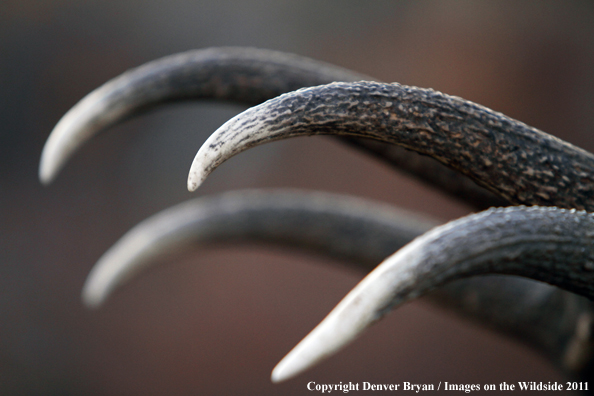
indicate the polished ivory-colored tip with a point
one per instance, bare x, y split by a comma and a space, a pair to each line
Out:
131, 254
204, 162
310, 351
92, 299
100, 282
215, 150
197, 175
306, 354
219, 147
248, 129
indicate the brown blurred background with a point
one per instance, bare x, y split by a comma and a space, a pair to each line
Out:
217, 319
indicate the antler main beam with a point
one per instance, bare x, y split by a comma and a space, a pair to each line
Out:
246, 75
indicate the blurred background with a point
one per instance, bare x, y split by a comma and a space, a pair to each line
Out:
217, 319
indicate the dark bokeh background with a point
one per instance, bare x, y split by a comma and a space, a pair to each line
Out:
217, 319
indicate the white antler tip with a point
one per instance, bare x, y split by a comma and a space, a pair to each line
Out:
92, 298
277, 376
198, 170
193, 184
98, 286
47, 167
45, 177
288, 368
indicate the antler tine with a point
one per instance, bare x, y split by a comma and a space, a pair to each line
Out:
547, 244
509, 158
245, 75
349, 228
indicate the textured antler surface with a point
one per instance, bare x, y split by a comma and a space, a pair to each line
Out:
513, 160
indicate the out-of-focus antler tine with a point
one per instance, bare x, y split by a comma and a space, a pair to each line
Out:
348, 228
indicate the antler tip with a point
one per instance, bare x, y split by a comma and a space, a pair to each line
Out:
290, 366
47, 167
91, 300
326, 339
94, 292
60, 144
200, 169
45, 177
278, 375
193, 183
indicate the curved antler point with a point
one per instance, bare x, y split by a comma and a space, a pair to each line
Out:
46, 177
195, 178
91, 300
92, 295
304, 356
48, 168
193, 183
